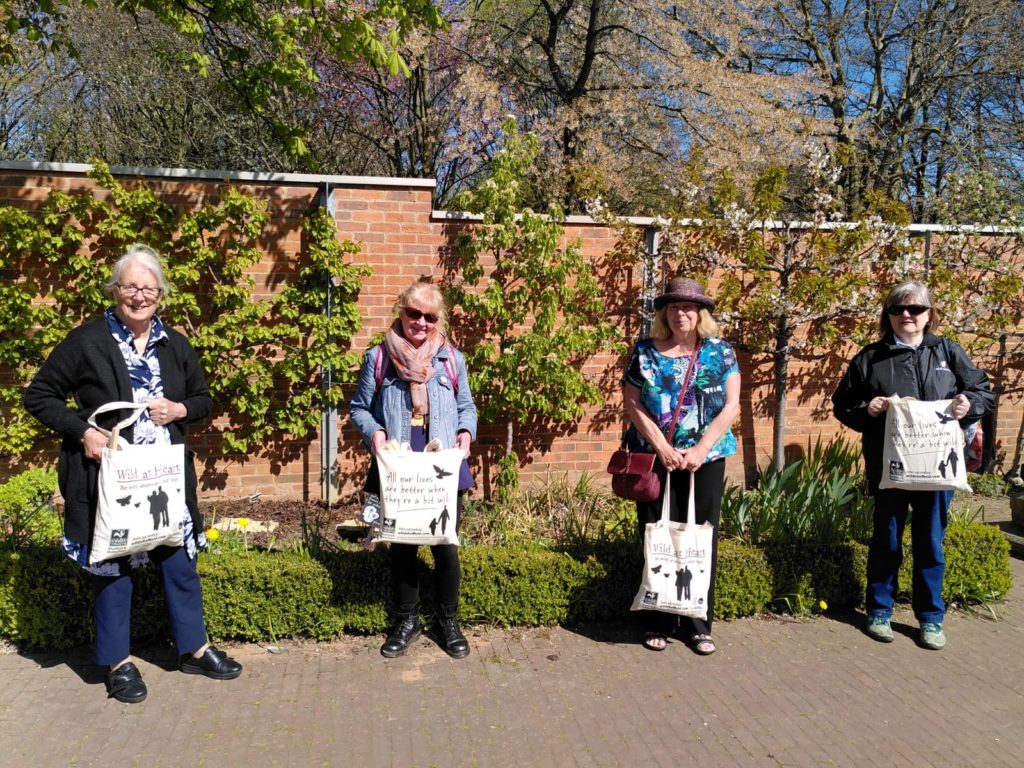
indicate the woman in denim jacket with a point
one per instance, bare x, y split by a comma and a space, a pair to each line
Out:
413, 389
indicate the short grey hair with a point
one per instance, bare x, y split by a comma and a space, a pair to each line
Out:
145, 257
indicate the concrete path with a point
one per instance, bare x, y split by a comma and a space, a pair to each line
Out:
778, 693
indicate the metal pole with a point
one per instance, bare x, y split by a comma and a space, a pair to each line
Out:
651, 279
329, 416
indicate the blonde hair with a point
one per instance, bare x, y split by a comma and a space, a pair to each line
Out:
428, 295
707, 326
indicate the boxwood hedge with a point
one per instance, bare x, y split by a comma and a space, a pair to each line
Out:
44, 599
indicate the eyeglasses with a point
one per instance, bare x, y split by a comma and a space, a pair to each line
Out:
415, 314
132, 291
915, 309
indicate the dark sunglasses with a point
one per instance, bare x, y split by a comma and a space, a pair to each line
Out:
915, 309
415, 314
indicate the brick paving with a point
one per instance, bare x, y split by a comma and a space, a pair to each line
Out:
778, 693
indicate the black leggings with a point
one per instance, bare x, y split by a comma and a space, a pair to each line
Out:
710, 480
405, 579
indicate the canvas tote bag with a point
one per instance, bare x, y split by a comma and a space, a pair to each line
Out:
677, 563
141, 502
924, 447
419, 494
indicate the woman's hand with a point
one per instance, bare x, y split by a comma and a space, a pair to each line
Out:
960, 406
379, 438
462, 442
93, 442
669, 457
163, 411
692, 458
878, 406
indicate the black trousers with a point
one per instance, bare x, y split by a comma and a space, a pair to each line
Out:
709, 485
405, 578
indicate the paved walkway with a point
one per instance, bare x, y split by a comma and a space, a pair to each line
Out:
778, 693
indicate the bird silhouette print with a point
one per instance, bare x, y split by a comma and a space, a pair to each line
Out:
441, 473
945, 418
123, 501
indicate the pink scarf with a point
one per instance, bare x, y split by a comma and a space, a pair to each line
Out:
413, 364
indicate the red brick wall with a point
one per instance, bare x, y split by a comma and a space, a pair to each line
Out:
401, 239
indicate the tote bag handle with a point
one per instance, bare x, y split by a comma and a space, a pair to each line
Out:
666, 504
138, 408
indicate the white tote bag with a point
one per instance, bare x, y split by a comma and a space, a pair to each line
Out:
419, 493
924, 447
141, 493
677, 563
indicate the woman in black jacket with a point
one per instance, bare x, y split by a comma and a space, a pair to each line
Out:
909, 361
128, 354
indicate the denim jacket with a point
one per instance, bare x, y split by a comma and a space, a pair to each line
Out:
390, 409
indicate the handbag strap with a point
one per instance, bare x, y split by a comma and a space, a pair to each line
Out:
690, 371
682, 392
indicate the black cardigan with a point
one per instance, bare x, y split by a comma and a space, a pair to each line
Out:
89, 365
938, 369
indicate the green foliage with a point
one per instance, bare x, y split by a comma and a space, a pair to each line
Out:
802, 287
44, 597
820, 498
27, 515
988, 485
267, 52
262, 357
537, 313
257, 596
977, 564
806, 573
554, 513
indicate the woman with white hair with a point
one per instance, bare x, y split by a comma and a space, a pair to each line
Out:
908, 360
128, 354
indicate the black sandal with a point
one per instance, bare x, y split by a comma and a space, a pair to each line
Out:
696, 641
655, 641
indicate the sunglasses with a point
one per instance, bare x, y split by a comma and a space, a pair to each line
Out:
915, 309
415, 314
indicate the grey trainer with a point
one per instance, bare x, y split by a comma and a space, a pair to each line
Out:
932, 636
879, 628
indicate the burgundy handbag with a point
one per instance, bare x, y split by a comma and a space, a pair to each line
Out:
634, 476
637, 476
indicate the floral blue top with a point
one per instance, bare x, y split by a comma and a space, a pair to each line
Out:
660, 379
144, 372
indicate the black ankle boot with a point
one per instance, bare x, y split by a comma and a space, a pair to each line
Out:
455, 643
402, 636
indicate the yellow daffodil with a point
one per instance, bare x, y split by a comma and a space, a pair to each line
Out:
242, 522
212, 534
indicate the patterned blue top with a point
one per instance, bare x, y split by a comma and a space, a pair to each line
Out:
660, 378
147, 383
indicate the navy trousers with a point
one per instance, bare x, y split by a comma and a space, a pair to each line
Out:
928, 516
112, 608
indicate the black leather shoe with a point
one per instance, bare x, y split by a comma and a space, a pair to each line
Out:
404, 635
455, 643
212, 663
125, 684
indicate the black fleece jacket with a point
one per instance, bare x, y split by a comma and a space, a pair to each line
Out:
938, 369
89, 366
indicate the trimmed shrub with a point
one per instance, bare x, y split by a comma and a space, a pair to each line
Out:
27, 515
45, 601
255, 596
977, 564
805, 573
743, 582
